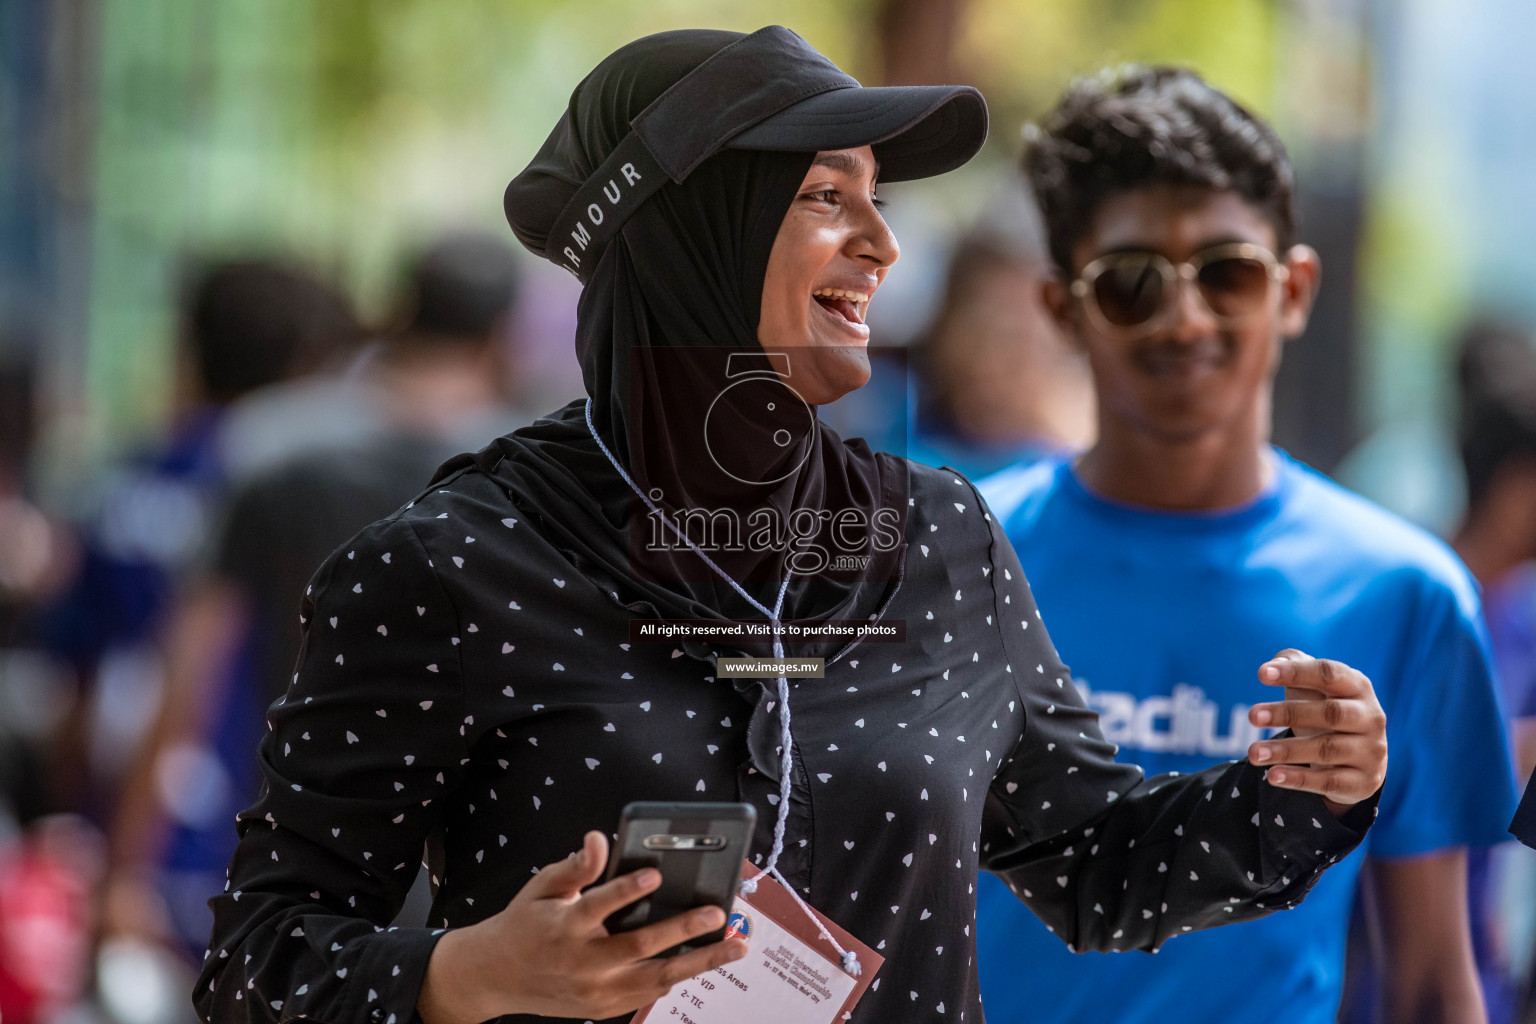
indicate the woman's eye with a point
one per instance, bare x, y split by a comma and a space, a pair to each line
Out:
832, 197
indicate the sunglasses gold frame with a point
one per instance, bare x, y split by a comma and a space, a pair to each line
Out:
1174, 275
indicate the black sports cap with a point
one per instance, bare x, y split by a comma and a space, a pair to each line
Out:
766, 91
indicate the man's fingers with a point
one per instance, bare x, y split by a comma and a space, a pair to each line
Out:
1331, 748
568, 877
660, 975
1352, 716
598, 902
1292, 668
653, 938
1341, 785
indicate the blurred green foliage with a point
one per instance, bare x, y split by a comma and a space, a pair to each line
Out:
1024, 54
346, 130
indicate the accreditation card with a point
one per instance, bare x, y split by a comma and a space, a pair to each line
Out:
790, 975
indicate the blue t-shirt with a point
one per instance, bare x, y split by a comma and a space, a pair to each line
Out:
1165, 619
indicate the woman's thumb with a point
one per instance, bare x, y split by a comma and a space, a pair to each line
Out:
576, 872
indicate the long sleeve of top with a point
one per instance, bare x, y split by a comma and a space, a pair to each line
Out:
464, 687
1110, 860
361, 748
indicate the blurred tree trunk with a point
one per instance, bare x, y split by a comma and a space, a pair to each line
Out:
1326, 102
1317, 392
917, 40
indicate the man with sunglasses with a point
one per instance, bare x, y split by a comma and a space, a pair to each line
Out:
1183, 546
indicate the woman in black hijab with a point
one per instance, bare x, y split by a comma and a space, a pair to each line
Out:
473, 675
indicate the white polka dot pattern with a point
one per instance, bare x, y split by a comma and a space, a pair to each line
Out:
478, 694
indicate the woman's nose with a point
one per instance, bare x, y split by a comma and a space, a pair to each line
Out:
874, 240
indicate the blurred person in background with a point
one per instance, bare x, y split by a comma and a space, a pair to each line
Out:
437, 383
1496, 373
441, 381
996, 381
329, 399
48, 861
245, 325
37, 558
1170, 214
1496, 539
96, 596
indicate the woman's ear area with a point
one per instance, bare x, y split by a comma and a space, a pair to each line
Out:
1299, 289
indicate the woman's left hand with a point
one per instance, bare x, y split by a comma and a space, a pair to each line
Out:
1339, 746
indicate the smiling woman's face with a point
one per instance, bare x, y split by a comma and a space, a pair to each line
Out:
831, 253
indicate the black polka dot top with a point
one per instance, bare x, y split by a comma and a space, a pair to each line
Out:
464, 689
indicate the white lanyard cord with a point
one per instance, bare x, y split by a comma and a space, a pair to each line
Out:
848, 959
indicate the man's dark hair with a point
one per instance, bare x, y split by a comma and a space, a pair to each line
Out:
463, 286
1496, 374
254, 322
1131, 127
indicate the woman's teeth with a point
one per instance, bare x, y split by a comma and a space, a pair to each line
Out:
841, 293
850, 305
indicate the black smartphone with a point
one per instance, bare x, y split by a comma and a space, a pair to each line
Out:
698, 848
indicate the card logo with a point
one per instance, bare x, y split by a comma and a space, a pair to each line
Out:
738, 924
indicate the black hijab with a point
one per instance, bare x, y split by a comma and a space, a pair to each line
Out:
675, 297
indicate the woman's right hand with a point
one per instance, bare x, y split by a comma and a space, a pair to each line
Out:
548, 952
